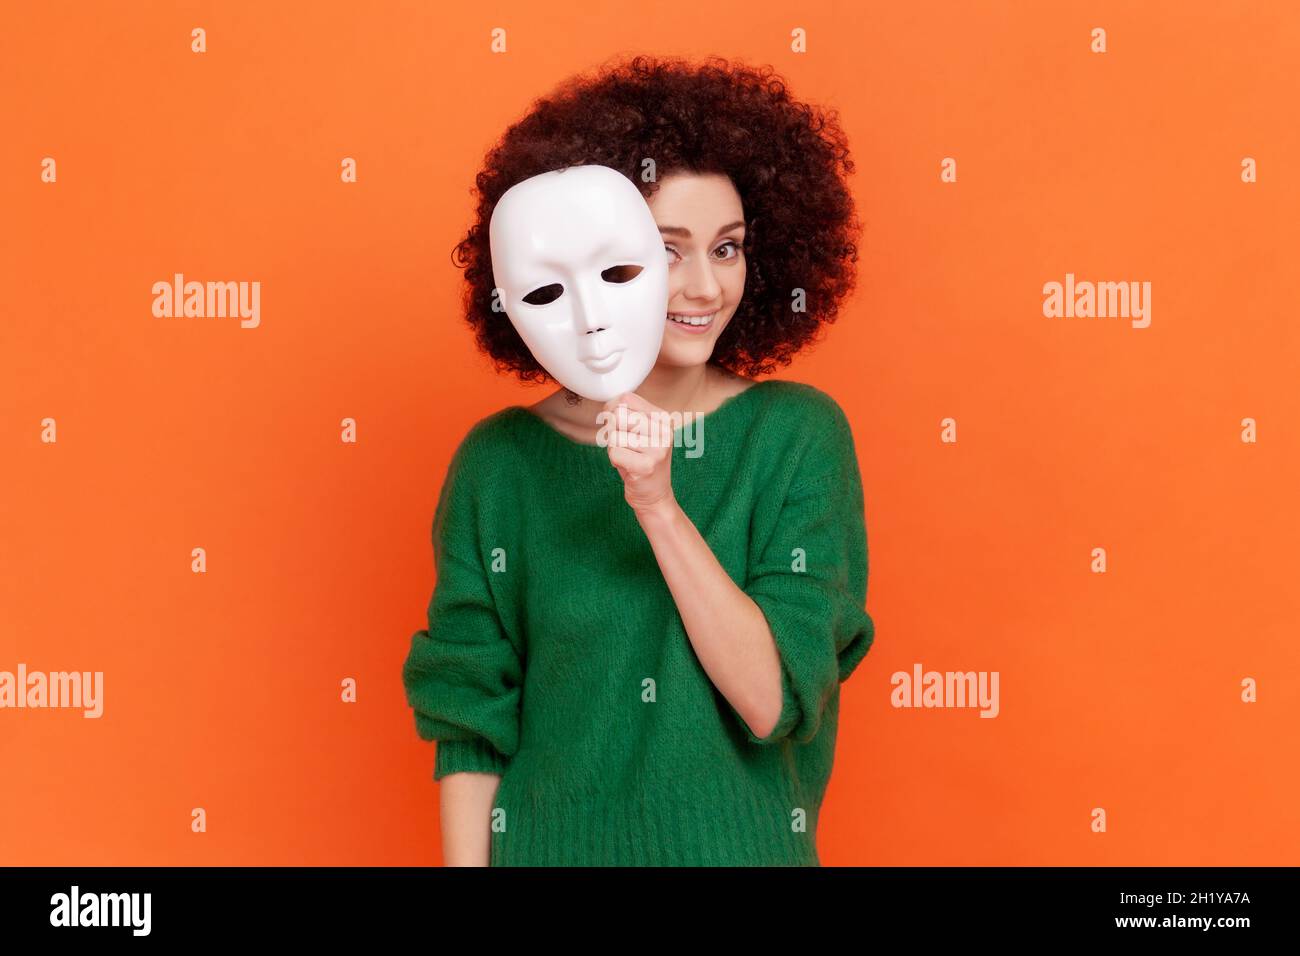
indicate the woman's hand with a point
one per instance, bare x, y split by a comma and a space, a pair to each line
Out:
640, 441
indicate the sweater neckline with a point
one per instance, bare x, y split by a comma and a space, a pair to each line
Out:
564, 441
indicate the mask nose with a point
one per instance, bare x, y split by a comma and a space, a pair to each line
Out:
586, 311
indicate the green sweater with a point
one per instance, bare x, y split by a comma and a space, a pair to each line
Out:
555, 656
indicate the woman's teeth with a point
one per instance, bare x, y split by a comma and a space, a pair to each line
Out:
694, 320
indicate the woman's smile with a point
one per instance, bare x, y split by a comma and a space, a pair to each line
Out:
692, 323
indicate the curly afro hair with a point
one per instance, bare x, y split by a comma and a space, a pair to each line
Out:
788, 161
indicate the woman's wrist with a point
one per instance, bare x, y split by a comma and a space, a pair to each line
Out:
658, 514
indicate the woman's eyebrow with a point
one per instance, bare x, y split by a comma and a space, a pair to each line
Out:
686, 233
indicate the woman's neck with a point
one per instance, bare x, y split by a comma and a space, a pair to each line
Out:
696, 388
680, 389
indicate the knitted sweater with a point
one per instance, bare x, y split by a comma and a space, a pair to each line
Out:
555, 656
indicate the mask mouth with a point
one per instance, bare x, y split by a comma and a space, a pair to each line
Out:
604, 363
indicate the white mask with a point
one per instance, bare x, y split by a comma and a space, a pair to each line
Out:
562, 243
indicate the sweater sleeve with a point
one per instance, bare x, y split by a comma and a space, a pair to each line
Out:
810, 581
463, 677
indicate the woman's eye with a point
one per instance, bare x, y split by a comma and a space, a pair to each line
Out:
731, 245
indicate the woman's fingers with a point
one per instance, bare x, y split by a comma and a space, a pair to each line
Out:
636, 423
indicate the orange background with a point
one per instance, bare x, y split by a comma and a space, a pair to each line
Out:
1118, 690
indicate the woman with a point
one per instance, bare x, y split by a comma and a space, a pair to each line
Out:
633, 655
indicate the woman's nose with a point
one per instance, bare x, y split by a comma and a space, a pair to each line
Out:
700, 281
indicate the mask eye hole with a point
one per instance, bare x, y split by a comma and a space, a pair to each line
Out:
621, 274
547, 293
